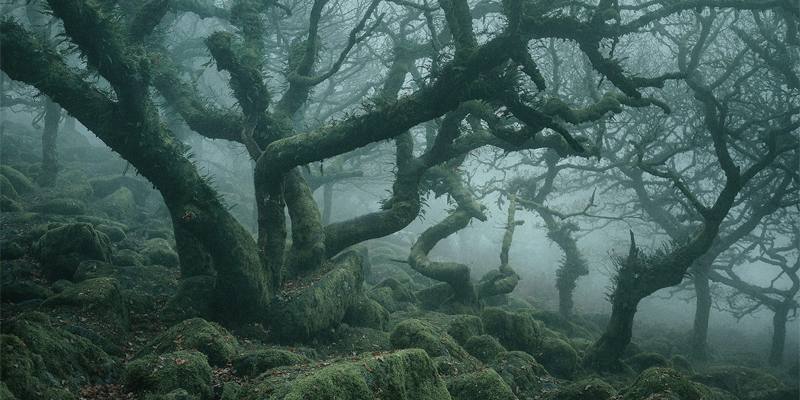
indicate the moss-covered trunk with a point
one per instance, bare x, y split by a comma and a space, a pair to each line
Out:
778, 336
52, 115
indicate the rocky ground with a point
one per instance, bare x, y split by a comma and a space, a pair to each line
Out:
89, 269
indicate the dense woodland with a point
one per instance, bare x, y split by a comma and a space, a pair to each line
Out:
400, 199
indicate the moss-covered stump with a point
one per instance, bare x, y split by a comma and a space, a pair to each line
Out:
480, 385
100, 298
255, 362
463, 327
63, 206
643, 361
594, 389
402, 375
367, 313
20, 291
522, 373
162, 374
36, 356
657, 383
159, 252
558, 357
745, 383
21, 183
209, 338
393, 295
483, 347
302, 313
516, 331
60, 250
413, 333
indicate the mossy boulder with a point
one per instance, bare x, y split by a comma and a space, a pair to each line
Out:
414, 333
393, 295
119, 205
522, 373
209, 338
657, 383
480, 385
105, 186
346, 339
402, 375
9, 205
17, 292
100, 297
5, 393
558, 357
159, 252
483, 347
17, 367
21, 183
61, 206
7, 189
746, 383
60, 250
368, 313
434, 297
515, 331
643, 361
681, 363
164, 373
463, 327
594, 389
127, 258
254, 362
114, 232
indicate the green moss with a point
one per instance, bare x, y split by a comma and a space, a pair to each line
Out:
484, 347
432, 298
63, 206
60, 250
464, 327
413, 333
127, 258
18, 180
255, 362
20, 291
100, 297
743, 382
658, 382
522, 373
594, 389
681, 363
394, 295
9, 205
7, 189
17, 367
114, 232
516, 331
346, 339
5, 393
481, 385
198, 334
161, 374
558, 357
159, 252
643, 361
366, 312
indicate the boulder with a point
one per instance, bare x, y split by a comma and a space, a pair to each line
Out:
560, 359
61, 206
119, 205
463, 327
595, 389
368, 313
522, 373
484, 347
255, 362
100, 298
516, 331
159, 252
480, 385
666, 383
209, 338
414, 333
165, 373
61, 250
21, 183
17, 292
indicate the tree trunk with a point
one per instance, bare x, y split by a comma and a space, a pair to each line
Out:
701, 314
605, 354
47, 176
327, 203
778, 336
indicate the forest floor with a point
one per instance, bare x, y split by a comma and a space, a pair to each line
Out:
89, 268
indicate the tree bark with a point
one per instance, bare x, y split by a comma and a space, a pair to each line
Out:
47, 176
702, 312
778, 336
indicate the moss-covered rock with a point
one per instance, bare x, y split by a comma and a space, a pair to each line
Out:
21, 183
159, 252
7, 189
5, 393
17, 367
9, 205
346, 339
191, 298
403, 375
20, 291
60, 250
434, 297
368, 313
114, 232
594, 389
413, 333
522, 373
516, 331
666, 383
643, 361
198, 334
127, 258
99, 297
254, 362
119, 205
162, 374
483, 347
464, 327
393, 295
745, 383
61, 206
105, 186
681, 363
480, 385
558, 357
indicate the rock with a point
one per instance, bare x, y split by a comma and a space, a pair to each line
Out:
8, 205
255, 362
17, 370
560, 359
105, 186
20, 291
162, 374
464, 327
516, 331
484, 347
119, 205
666, 383
522, 373
61, 249
7, 189
198, 334
390, 298
115, 233
98, 297
643, 361
431, 298
681, 363
480, 385
347, 339
18, 180
403, 375
191, 299
745, 383
127, 258
413, 333
368, 313
595, 389
159, 252
62, 206
11, 250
